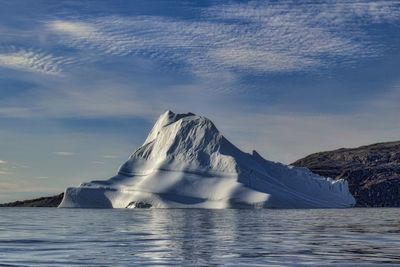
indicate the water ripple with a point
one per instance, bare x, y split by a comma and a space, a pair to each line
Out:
64, 237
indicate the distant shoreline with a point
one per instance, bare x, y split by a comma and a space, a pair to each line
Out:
51, 202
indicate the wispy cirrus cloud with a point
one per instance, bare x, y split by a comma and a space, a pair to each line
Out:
203, 45
109, 156
22, 187
325, 13
32, 61
64, 153
261, 37
4, 168
218, 44
75, 29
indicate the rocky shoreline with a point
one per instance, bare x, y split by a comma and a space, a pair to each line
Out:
52, 201
373, 171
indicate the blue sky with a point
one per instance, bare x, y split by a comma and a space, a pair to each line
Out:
81, 83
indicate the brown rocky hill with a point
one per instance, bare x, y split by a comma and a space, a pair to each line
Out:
373, 171
52, 201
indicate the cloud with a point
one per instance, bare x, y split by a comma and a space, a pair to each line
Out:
256, 36
217, 46
325, 12
42, 177
32, 61
15, 112
64, 153
98, 162
109, 156
4, 169
20, 166
259, 60
82, 97
74, 29
7, 187
286, 137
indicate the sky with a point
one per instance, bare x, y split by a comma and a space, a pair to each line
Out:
82, 82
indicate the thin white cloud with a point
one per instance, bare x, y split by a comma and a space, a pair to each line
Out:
98, 162
256, 36
75, 29
288, 137
32, 61
42, 177
4, 168
94, 101
19, 166
327, 12
389, 101
76, 98
64, 153
7, 187
109, 156
258, 60
374, 11
16, 112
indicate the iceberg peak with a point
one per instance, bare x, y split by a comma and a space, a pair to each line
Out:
186, 162
182, 141
163, 120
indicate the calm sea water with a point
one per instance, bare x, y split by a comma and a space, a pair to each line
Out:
65, 237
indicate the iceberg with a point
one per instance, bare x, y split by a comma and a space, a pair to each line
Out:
185, 162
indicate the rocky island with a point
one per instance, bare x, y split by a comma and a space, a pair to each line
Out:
48, 202
373, 171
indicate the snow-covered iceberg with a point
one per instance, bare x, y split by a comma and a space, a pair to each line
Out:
186, 163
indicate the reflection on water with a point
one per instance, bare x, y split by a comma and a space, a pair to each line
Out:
63, 237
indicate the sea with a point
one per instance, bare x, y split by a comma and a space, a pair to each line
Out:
198, 237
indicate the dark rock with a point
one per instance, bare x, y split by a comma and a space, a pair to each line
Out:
139, 205
373, 171
52, 201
